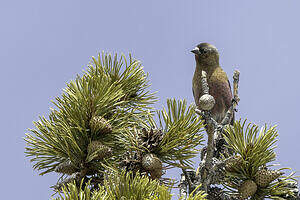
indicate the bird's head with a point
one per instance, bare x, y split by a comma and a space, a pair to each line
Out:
206, 54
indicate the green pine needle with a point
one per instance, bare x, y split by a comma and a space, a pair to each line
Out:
113, 88
182, 129
182, 133
256, 148
119, 186
124, 186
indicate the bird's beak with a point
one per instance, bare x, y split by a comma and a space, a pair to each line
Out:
196, 51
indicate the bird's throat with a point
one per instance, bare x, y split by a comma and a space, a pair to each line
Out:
209, 69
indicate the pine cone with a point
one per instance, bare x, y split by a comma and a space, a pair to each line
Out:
264, 177
66, 168
131, 163
100, 125
151, 139
156, 174
98, 151
151, 162
247, 189
233, 163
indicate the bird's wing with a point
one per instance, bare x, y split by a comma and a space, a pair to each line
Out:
193, 92
227, 94
229, 85
221, 87
233, 114
196, 88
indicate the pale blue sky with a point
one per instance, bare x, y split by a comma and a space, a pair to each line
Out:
44, 44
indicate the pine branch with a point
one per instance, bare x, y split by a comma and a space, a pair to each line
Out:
104, 120
207, 168
236, 99
111, 96
175, 137
183, 187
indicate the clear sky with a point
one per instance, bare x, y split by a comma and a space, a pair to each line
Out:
44, 44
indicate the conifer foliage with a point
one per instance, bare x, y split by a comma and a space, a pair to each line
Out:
107, 142
104, 120
249, 174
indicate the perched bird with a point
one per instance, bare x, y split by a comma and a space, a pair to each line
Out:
207, 59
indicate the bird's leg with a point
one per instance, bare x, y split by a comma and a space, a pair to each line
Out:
234, 101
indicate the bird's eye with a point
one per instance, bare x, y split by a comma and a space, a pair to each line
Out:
204, 51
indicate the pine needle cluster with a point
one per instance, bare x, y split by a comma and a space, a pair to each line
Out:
249, 173
107, 142
104, 118
122, 185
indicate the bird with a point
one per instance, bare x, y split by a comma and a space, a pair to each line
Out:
207, 59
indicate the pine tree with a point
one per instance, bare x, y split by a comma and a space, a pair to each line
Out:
108, 142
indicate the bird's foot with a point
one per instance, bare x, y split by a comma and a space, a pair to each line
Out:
234, 101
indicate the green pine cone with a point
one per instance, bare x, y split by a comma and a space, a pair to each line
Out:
98, 151
247, 189
233, 163
66, 168
156, 173
100, 125
264, 177
151, 162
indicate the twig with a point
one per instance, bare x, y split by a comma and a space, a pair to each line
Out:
210, 171
205, 113
236, 99
204, 83
236, 78
183, 187
187, 177
205, 175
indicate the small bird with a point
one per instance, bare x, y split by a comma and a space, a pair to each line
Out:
207, 59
